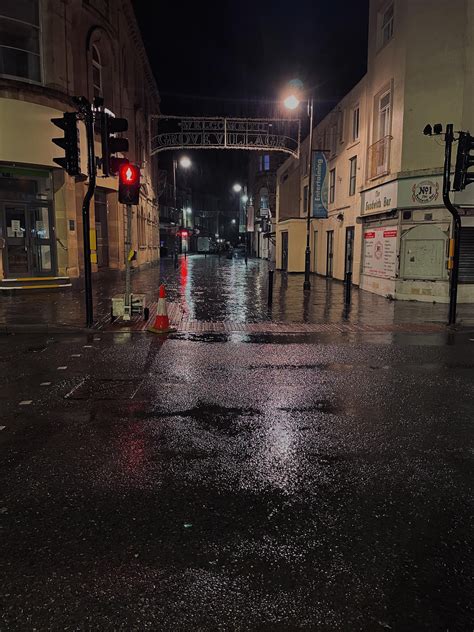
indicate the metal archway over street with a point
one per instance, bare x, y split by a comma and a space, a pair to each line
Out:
178, 132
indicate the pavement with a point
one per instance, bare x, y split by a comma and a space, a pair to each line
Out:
317, 476
212, 290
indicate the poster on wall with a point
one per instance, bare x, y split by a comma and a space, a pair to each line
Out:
380, 252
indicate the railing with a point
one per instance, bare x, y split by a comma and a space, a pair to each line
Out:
379, 158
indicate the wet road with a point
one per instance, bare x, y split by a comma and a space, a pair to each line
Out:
236, 483
213, 289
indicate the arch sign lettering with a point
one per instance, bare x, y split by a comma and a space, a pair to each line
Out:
177, 132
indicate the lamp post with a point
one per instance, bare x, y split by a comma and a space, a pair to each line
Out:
185, 163
237, 188
291, 102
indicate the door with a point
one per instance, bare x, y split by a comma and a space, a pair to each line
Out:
330, 253
28, 244
349, 256
284, 251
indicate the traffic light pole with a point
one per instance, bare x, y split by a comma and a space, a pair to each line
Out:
454, 276
85, 109
127, 311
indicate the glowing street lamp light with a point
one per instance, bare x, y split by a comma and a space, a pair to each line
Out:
189, 210
185, 162
245, 199
234, 221
291, 102
237, 188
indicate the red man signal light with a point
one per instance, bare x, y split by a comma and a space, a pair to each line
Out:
129, 184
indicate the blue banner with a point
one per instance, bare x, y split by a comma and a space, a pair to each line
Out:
319, 185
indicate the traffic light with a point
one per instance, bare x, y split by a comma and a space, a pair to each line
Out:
111, 145
70, 143
464, 160
129, 184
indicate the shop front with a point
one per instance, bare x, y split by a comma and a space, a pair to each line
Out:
27, 232
405, 241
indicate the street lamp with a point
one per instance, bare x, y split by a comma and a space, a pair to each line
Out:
185, 163
291, 102
237, 187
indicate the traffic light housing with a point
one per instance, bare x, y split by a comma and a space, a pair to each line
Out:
111, 145
70, 143
464, 160
129, 184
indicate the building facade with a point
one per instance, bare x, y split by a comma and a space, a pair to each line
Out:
51, 51
386, 219
262, 179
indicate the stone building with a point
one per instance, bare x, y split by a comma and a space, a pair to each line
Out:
50, 51
384, 176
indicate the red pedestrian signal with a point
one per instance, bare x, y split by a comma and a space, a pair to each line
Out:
129, 184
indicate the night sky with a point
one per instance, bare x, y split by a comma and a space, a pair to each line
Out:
235, 58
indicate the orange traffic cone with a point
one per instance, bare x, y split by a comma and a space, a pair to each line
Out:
162, 322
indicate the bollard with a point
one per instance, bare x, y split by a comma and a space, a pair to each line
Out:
270, 286
347, 288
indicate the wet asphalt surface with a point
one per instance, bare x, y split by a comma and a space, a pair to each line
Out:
236, 483
213, 289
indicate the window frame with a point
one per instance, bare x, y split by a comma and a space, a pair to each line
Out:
389, 24
99, 65
355, 116
352, 175
39, 27
332, 185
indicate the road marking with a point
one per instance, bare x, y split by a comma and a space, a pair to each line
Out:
76, 355
2, 427
87, 346
45, 384
26, 402
75, 388
62, 368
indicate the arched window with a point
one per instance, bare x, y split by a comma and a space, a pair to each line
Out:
96, 72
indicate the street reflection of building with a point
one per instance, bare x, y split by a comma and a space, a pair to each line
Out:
386, 218
50, 52
262, 198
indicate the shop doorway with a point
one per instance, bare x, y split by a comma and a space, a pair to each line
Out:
101, 227
330, 253
29, 246
284, 251
349, 257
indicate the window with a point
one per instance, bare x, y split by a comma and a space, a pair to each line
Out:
352, 175
333, 139
20, 37
264, 162
387, 25
264, 203
96, 72
340, 126
384, 115
332, 185
355, 123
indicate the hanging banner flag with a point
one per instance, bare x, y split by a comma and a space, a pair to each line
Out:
250, 219
320, 185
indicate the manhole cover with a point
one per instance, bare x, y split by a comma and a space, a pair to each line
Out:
95, 389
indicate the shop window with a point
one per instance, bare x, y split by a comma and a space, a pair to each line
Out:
423, 253
20, 40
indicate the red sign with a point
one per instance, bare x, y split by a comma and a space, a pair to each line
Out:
370, 235
390, 233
